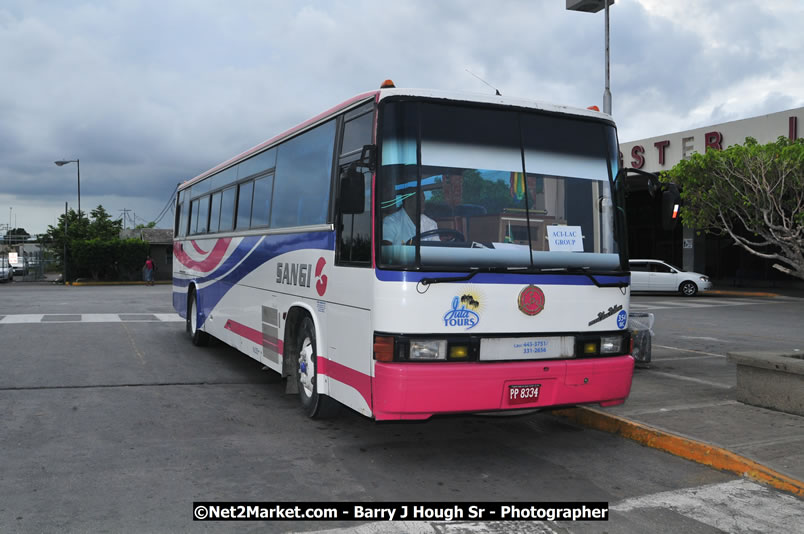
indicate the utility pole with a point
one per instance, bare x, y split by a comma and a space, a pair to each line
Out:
125, 216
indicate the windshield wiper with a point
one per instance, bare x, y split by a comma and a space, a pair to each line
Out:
550, 270
428, 281
585, 271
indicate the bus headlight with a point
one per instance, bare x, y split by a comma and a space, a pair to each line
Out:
611, 344
428, 349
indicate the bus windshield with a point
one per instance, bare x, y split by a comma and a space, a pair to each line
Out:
477, 187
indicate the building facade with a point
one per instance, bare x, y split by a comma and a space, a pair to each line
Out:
716, 256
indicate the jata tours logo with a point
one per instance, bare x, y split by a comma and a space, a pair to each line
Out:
463, 311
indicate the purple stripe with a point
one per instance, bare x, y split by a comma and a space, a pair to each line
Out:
502, 278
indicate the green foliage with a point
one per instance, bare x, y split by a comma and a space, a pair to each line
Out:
494, 195
94, 248
758, 188
16, 235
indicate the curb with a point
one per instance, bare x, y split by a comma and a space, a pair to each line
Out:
690, 449
736, 293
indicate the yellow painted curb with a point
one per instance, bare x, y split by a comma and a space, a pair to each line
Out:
737, 293
697, 451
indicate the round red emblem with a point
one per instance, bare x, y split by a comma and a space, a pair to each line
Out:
531, 300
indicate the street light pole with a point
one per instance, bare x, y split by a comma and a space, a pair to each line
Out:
606, 92
593, 6
78, 166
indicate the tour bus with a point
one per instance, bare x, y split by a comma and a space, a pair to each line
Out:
417, 252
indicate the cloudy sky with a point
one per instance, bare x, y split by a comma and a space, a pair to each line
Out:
151, 93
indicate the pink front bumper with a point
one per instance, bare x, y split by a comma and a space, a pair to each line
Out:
420, 390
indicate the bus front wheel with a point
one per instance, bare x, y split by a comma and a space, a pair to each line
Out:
197, 336
314, 404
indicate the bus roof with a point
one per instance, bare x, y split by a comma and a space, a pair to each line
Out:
381, 94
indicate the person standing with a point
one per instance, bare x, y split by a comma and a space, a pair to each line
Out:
149, 269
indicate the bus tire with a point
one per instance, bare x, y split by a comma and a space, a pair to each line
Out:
197, 336
315, 405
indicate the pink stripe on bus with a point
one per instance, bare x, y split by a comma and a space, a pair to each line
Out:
254, 335
197, 248
208, 263
336, 371
244, 331
360, 381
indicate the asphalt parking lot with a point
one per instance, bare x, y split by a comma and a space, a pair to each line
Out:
112, 421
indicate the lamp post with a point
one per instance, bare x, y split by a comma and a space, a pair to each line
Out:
593, 6
78, 166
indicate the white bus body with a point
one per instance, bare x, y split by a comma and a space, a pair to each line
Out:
513, 303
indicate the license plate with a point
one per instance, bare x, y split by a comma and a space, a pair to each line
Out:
523, 394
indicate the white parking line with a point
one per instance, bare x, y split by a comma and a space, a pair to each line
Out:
22, 318
691, 350
699, 303
679, 304
690, 379
169, 317
738, 506
39, 318
99, 318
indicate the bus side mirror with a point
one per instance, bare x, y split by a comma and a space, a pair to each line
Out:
353, 192
671, 202
368, 157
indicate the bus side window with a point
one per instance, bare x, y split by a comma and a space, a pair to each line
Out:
202, 225
354, 229
228, 209
215, 213
244, 205
261, 207
302, 178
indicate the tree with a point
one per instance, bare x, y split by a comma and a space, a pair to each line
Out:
94, 247
16, 235
102, 226
752, 192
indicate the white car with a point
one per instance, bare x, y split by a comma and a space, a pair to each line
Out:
655, 275
6, 272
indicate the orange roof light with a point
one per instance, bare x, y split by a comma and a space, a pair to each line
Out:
594, 108
387, 84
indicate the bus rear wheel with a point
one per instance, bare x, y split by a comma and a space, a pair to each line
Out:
197, 336
315, 405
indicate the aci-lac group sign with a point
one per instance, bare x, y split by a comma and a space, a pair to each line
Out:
565, 238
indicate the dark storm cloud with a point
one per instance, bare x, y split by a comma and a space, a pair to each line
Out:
149, 93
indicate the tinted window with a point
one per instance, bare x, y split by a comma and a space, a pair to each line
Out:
638, 267
215, 212
193, 217
259, 163
222, 178
261, 207
357, 133
181, 226
203, 215
660, 268
244, 205
302, 182
355, 229
200, 188
227, 209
